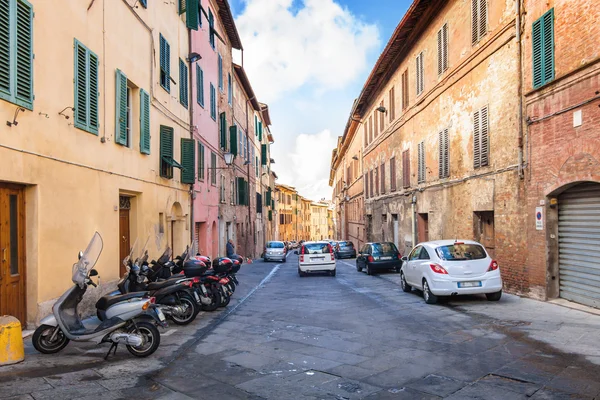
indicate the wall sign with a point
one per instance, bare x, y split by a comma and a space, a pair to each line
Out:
539, 218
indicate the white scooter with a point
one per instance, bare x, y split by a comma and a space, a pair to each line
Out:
130, 318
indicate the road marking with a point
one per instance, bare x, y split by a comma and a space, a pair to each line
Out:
169, 332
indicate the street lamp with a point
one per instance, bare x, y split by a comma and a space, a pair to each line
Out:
228, 158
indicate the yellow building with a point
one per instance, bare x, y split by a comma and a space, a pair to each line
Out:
287, 197
97, 120
319, 229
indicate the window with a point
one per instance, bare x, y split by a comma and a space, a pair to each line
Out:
222, 190
233, 147
375, 124
166, 151
543, 49
192, 16
376, 181
420, 79
165, 64
263, 154
370, 128
405, 89
442, 49
211, 27
242, 192
183, 83
122, 110
213, 169
213, 102
392, 104
366, 134
86, 89
259, 203
382, 169
223, 130
480, 138
406, 168
478, 20
381, 118
188, 160
144, 122
16, 53
366, 179
199, 85
371, 184
229, 89
421, 163
232, 192
200, 161
393, 174
443, 161
220, 62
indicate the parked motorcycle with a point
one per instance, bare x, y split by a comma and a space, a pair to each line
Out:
127, 318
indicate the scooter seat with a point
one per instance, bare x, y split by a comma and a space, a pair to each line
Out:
163, 284
106, 301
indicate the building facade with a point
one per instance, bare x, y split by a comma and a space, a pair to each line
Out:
319, 227
287, 196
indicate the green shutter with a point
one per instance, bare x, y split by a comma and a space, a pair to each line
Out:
272, 203
263, 154
183, 83
268, 200
24, 54
200, 161
270, 215
241, 191
144, 122
86, 89
255, 125
93, 93
192, 12
223, 129
182, 6
199, 85
165, 64
121, 108
543, 49
211, 25
188, 160
233, 140
260, 130
166, 150
5, 51
220, 63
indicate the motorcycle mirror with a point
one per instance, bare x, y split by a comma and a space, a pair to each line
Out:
93, 272
80, 255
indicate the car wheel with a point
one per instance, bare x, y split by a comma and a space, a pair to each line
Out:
300, 273
369, 270
405, 286
265, 260
332, 273
284, 259
429, 297
494, 296
359, 269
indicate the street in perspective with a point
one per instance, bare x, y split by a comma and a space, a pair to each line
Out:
299, 199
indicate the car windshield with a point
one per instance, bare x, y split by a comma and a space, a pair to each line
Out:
461, 252
275, 245
384, 248
315, 248
346, 244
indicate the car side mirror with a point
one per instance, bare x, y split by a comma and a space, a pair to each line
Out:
295, 251
93, 272
404, 258
80, 255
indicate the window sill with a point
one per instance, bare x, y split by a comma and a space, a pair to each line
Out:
86, 129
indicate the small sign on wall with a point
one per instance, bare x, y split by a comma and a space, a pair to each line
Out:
539, 218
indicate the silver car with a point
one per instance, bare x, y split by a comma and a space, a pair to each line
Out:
275, 251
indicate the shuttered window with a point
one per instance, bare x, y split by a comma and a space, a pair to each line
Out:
259, 204
375, 125
268, 197
192, 14
229, 89
444, 160
213, 169
370, 129
188, 160
182, 6
382, 170
371, 184
392, 104
201, 161
393, 174
406, 168
199, 86
366, 179
165, 64
270, 215
263, 154
183, 83
121, 112
376, 178
213, 102
16, 52
543, 49
421, 163
478, 20
405, 89
86, 89
220, 64
166, 151
480, 138
365, 133
223, 131
442, 49
233, 146
211, 25
381, 118
260, 131
420, 78
242, 186
144, 122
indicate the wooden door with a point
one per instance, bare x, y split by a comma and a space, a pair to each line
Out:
423, 227
124, 239
12, 252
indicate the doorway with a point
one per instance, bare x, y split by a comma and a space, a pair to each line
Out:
124, 232
423, 227
12, 252
395, 219
484, 230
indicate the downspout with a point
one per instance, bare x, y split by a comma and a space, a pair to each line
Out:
520, 89
249, 224
414, 219
191, 109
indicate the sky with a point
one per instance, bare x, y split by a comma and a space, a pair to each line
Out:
308, 60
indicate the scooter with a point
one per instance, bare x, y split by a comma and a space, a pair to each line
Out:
128, 319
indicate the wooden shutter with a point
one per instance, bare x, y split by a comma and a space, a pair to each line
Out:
393, 174
442, 43
6, 61
223, 130
213, 102
263, 154
166, 151
201, 161
480, 138
220, 64
23, 54
405, 89
259, 204
233, 147
371, 184
260, 131
121, 108
443, 160
93, 92
270, 215
543, 49
165, 63
476, 140
199, 85
241, 191
421, 162
213, 168
381, 118
211, 25
482, 18
371, 129
144, 122
366, 179
182, 6
406, 168
192, 14
188, 160
420, 78
365, 134
382, 169
548, 35
183, 83
392, 105
81, 104
478, 20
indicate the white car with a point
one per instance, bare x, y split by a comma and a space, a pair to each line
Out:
275, 250
315, 257
451, 267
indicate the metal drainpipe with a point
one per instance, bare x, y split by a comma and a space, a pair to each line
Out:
191, 109
520, 89
414, 220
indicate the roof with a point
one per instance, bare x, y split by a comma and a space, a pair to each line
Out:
241, 74
229, 24
448, 242
264, 109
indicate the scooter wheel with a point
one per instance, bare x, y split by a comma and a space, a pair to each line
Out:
41, 340
224, 301
151, 337
190, 313
215, 296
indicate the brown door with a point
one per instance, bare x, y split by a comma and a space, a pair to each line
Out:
124, 240
423, 226
12, 252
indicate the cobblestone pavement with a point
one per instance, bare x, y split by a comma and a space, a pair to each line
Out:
347, 337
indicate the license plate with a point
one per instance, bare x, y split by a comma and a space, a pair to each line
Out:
197, 298
386, 258
469, 284
160, 314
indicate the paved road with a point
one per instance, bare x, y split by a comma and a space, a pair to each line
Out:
347, 337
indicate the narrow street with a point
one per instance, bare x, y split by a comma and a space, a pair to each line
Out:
347, 337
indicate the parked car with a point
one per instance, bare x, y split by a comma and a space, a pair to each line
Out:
345, 249
316, 257
275, 251
451, 267
378, 256
294, 244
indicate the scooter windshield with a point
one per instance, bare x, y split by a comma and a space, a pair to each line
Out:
166, 256
81, 268
127, 259
143, 257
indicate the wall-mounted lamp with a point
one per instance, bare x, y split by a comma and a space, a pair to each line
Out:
193, 57
247, 163
381, 109
14, 121
65, 109
228, 157
355, 158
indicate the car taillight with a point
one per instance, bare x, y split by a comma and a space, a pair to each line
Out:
370, 259
438, 269
301, 258
152, 300
493, 266
331, 252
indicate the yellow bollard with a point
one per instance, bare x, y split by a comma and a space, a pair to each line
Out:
11, 341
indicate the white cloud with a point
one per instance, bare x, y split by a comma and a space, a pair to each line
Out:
317, 42
307, 165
